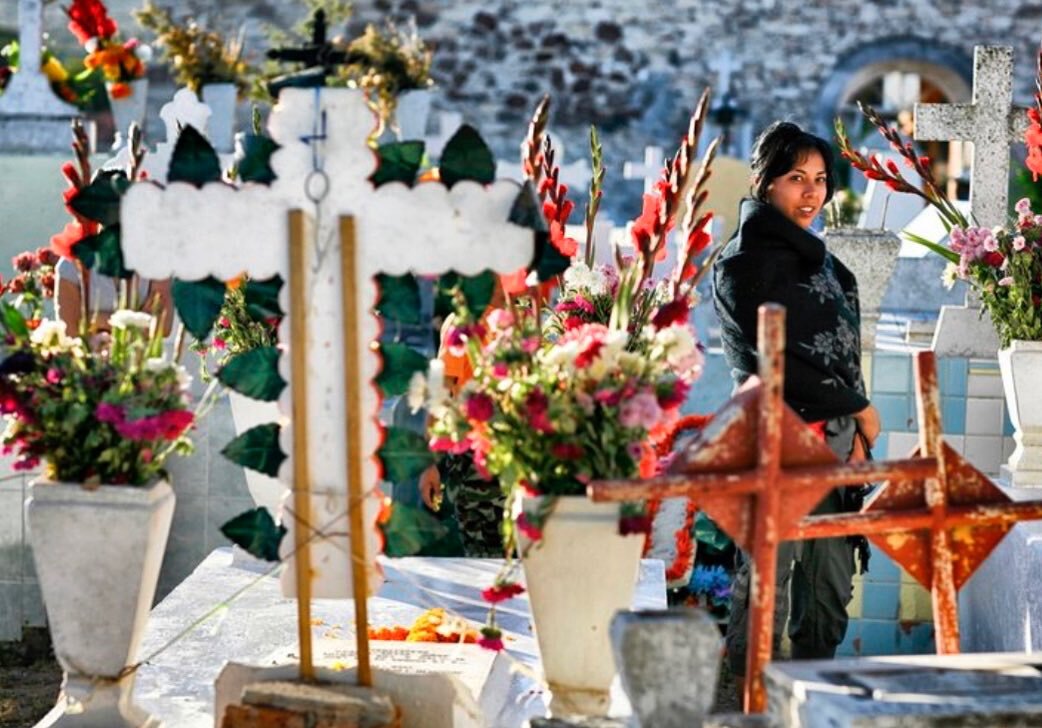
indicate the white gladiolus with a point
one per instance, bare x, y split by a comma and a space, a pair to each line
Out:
125, 319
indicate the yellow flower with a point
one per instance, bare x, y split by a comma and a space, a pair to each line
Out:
54, 70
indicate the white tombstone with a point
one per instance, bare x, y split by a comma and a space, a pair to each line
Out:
193, 233
650, 170
32, 118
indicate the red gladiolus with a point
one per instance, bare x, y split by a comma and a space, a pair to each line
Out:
501, 592
1033, 140
674, 312
89, 19
74, 232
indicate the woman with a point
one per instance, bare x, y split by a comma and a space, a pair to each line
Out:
774, 257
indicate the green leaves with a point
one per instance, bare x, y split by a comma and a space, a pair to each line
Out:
399, 298
477, 291
410, 530
709, 535
198, 303
262, 298
193, 159
257, 449
99, 201
405, 454
256, 532
950, 255
466, 156
527, 212
254, 373
400, 363
399, 162
254, 165
13, 321
103, 252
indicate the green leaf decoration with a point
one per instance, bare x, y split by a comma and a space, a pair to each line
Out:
254, 164
410, 530
399, 298
256, 532
709, 535
193, 159
399, 162
257, 449
198, 303
400, 363
254, 373
405, 454
477, 290
14, 322
466, 156
99, 201
103, 253
527, 212
262, 298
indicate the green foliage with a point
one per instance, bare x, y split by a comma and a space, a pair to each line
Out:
257, 449
103, 252
399, 162
410, 531
255, 374
400, 362
256, 532
399, 298
477, 292
99, 201
194, 159
709, 535
405, 454
255, 163
262, 297
466, 156
198, 303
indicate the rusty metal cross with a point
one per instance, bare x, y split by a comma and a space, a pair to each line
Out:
758, 470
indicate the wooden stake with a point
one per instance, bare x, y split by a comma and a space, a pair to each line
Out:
349, 286
301, 475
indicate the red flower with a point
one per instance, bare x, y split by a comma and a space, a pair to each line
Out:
480, 407
674, 312
73, 233
24, 262
491, 639
174, 423
565, 245
531, 531
501, 591
1033, 140
645, 226
89, 19
566, 451
45, 256
536, 406
120, 90
994, 259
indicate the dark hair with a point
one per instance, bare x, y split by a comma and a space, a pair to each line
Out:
779, 148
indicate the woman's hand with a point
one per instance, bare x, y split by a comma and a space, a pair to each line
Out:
430, 487
868, 424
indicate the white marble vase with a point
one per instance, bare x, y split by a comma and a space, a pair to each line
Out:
578, 575
247, 413
221, 98
97, 553
1021, 366
127, 110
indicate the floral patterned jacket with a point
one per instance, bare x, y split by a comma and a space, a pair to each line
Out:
771, 259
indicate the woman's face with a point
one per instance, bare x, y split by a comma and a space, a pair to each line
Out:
800, 193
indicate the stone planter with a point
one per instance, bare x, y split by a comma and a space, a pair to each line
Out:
411, 112
871, 255
221, 98
97, 554
1021, 366
247, 413
128, 110
578, 575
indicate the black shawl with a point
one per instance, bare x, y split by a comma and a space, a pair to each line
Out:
772, 259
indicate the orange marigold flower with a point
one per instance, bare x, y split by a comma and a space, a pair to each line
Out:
120, 90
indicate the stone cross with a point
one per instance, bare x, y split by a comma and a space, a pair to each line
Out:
322, 202
32, 118
650, 170
991, 122
724, 65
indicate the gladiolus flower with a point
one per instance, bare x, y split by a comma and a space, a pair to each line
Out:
674, 312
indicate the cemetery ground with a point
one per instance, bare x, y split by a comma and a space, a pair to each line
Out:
29, 679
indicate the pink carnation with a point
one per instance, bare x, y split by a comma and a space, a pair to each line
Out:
480, 407
640, 410
531, 531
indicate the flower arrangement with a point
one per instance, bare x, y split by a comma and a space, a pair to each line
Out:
120, 62
1004, 264
71, 85
197, 55
386, 62
566, 393
710, 588
434, 625
249, 320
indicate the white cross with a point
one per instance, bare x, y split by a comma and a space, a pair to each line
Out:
991, 122
650, 171
29, 92
724, 65
193, 233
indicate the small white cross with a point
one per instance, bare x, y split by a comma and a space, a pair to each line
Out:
991, 122
650, 170
724, 65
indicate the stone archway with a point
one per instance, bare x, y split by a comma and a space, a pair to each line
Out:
946, 67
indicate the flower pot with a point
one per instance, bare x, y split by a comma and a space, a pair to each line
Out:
578, 575
127, 109
411, 112
1021, 366
221, 98
97, 553
871, 255
247, 413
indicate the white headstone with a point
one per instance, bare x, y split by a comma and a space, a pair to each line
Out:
32, 118
193, 233
650, 170
991, 122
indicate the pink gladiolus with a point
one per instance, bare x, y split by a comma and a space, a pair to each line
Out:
218, 343
1023, 206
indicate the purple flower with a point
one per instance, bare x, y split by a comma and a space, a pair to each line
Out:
640, 410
